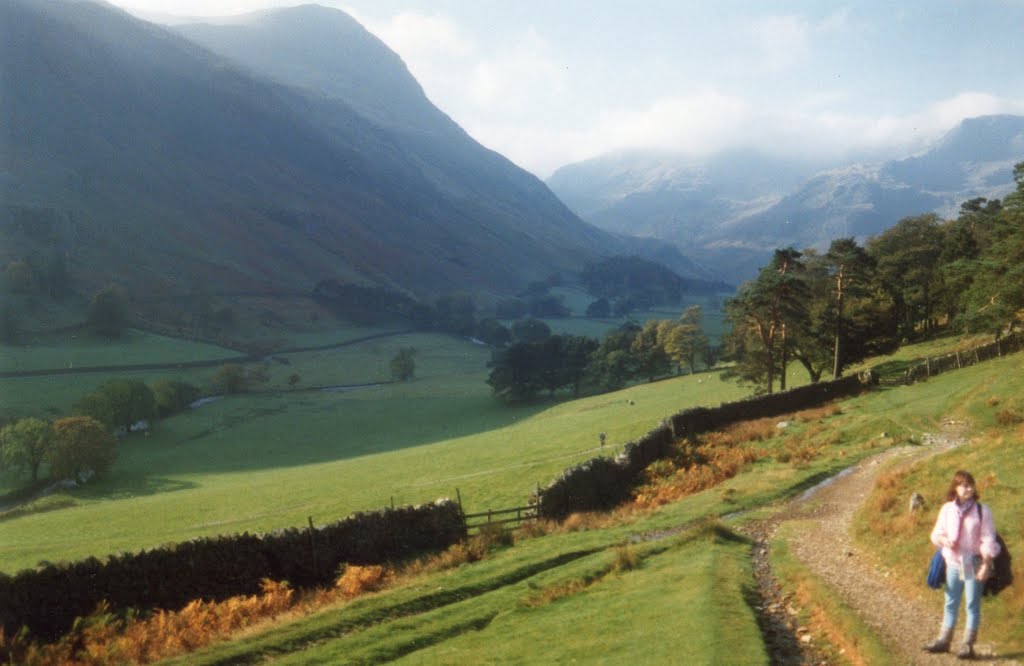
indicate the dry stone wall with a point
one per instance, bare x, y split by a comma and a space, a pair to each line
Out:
48, 599
602, 483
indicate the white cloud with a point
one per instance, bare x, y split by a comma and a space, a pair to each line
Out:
693, 124
515, 78
696, 124
779, 42
837, 21
710, 121
415, 35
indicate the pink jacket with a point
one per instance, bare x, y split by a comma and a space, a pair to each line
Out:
978, 537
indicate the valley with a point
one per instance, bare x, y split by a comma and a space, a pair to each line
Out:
289, 318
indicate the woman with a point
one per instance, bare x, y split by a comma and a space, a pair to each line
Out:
966, 533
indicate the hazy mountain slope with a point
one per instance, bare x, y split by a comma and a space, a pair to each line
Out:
702, 209
977, 156
167, 167
328, 53
727, 182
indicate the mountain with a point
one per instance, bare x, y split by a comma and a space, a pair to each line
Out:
733, 210
147, 160
326, 52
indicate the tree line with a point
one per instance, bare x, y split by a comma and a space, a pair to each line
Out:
537, 362
830, 310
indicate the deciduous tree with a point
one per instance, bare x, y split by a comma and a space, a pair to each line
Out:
228, 378
684, 341
107, 314
403, 364
648, 353
119, 403
81, 445
25, 444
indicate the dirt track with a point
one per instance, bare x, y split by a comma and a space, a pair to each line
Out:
824, 545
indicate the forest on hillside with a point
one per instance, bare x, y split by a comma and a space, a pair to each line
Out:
830, 310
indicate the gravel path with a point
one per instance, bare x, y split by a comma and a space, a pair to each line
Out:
826, 548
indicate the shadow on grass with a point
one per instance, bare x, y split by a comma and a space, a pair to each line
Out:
895, 369
120, 487
247, 433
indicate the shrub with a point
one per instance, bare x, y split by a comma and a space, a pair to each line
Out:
173, 396
493, 535
626, 559
228, 378
107, 314
102, 638
355, 580
1007, 417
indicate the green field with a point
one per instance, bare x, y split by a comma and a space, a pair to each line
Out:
272, 460
261, 462
687, 599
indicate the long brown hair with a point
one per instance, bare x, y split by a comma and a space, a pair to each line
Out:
962, 477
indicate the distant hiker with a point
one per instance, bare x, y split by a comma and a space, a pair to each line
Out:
967, 536
601, 436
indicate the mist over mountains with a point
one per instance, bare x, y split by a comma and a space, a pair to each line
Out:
301, 150
732, 210
291, 146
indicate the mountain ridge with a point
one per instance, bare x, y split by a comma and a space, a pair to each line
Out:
736, 230
147, 160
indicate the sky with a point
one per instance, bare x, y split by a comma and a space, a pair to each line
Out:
553, 82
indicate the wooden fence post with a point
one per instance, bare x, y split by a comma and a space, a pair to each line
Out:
312, 547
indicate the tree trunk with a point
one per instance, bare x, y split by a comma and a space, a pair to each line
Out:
837, 350
784, 361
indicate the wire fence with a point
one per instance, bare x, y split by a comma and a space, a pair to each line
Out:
959, 359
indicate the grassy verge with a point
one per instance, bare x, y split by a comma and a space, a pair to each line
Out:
584, 596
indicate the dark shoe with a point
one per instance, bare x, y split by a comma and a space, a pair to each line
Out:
936, 646
965, 652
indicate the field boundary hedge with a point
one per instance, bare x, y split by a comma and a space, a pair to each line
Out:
602, 483
47, 600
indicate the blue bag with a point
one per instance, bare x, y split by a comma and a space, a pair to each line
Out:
937, 571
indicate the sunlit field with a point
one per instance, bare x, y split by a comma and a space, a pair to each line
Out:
584, 580
273, 459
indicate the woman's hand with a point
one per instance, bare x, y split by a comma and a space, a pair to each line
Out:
984, 571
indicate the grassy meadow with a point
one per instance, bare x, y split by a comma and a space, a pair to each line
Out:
606, 586
258, 462
675, 583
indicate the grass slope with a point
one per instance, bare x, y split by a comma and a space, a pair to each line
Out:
688, 599
262, 462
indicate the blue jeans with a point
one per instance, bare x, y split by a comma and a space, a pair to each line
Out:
955, 588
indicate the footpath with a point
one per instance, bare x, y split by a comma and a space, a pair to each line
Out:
823, 544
